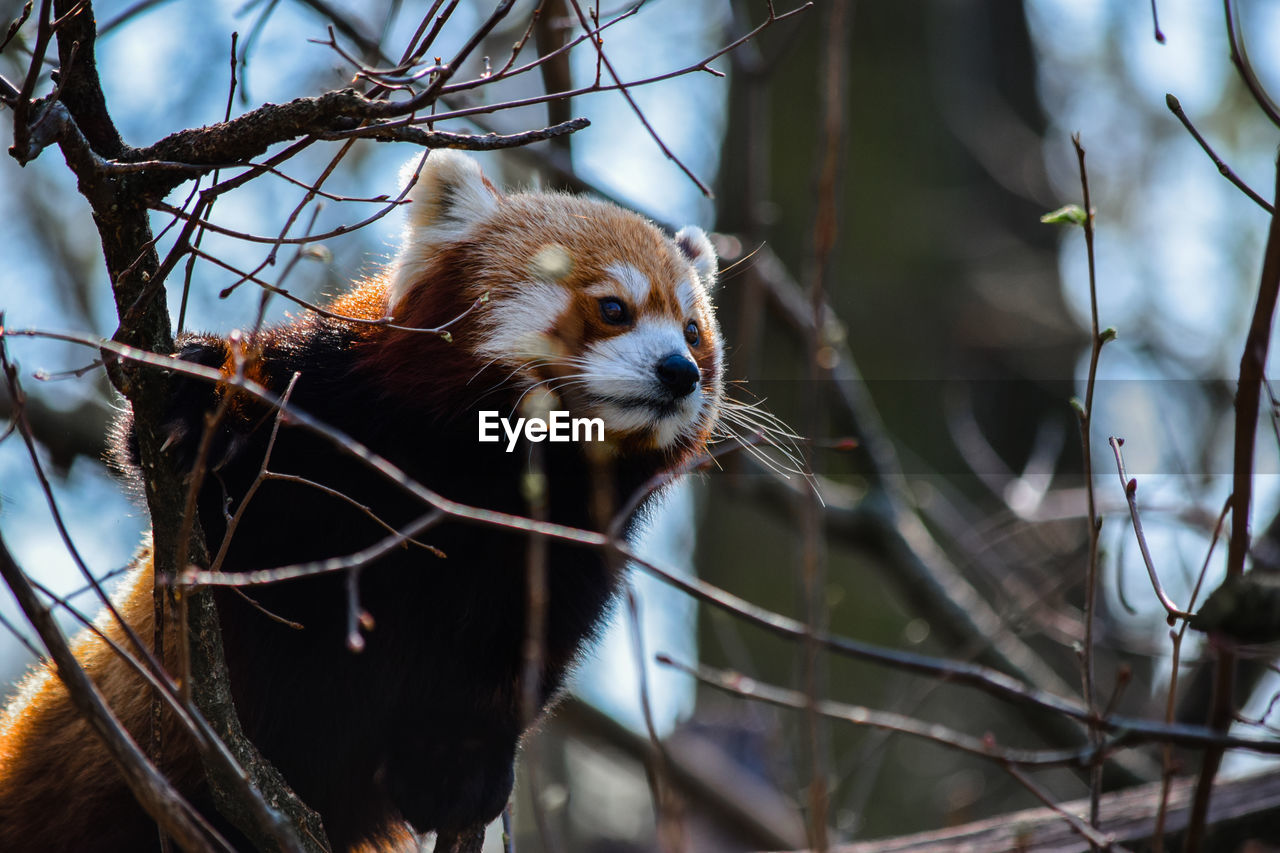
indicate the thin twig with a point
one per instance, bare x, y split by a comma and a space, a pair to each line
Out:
1223, 169
1166, 757
384, 322
536, 488
234, 523
603, 58
1131, 495
1240, 57
1086, 441
701, 65
16, 25
743, 686
830, 126
990, 681
670, 829
1253, 363
16, 393
985, 747
1089, 833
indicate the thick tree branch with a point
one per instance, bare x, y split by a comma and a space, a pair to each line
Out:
1243, 807
81, 89
82, 127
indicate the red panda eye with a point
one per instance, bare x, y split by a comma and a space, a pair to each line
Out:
614, 311
691, 333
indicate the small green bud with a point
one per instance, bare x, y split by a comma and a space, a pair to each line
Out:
1068, 214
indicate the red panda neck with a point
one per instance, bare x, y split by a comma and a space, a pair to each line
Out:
410, 363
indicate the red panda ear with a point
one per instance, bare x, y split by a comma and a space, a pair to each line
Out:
450, 197
693, 242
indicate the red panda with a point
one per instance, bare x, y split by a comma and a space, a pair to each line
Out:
420, 728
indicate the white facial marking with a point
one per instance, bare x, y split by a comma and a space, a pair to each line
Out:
551, 263
517, 324
687, 297
635, 283
620, 375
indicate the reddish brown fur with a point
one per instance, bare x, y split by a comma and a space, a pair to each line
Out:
424, 368
43, 738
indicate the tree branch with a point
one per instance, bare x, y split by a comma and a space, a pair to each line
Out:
1126, 816
1253, 363
86, 135
153, 792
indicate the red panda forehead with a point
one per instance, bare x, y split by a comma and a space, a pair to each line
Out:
591, 247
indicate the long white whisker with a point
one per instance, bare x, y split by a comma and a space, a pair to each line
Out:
776, 431
547, 382
754, 410
776, 435
534, 360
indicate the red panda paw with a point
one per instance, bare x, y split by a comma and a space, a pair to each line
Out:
183, 423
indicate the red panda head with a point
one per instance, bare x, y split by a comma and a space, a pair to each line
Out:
585, 300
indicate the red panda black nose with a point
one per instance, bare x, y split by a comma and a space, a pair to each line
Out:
678, 375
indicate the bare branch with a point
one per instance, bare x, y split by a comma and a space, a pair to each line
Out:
1253, 363
1127, 816
1175, 106
1125, 732
1085, 415
1240, 57
989, 680
1131, 494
